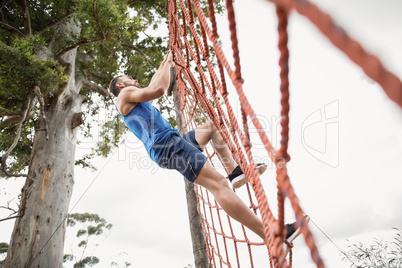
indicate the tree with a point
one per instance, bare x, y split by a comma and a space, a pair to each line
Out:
91, 225
379, 254
55, 57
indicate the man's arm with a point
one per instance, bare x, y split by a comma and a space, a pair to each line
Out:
132, 94
157, 87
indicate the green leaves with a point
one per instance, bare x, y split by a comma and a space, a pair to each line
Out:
95, 225
21, 70
3, 252
87, 261
84, 218
91, 226
110, 37
381, 254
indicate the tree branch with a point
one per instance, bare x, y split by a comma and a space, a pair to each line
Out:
141, 53
82, 42
13, 119
93, 76
27, 17
89, 56
10, 29
10, 208
55, 23
66, 65
4, 157
134, 1
2, 114
10, 218
102, 91
97, 19
67, 72
42, 109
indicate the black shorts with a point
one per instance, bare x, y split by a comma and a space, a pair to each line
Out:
185, 155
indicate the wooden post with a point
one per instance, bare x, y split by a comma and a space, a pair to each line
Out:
201, 259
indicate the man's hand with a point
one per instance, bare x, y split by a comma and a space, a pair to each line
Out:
164, 67
131, 95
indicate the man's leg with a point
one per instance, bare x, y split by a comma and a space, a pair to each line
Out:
207, 132
210, 179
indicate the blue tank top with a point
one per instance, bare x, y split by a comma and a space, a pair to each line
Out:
148, 125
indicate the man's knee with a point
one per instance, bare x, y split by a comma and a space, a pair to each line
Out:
204, 132
210, 126
217, 140
219, 184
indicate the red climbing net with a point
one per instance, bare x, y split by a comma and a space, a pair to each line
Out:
202, 69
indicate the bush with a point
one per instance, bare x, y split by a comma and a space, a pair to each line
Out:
379, 254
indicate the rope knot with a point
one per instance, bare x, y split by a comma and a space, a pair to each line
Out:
218, 121
223, 91
205, 56
289, 244
247, 144
239, 80
281, 161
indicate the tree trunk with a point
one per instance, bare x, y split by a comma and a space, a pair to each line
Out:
201, 259
38, 236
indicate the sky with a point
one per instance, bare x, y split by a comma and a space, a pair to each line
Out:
345, 144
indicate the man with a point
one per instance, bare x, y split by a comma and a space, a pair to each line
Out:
165, 146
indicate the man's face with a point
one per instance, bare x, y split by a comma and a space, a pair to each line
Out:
128, 81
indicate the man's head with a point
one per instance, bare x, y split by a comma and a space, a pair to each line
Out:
120, 82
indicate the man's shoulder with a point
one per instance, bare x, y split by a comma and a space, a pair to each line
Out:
124, 107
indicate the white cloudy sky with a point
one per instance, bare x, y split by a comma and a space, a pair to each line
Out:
346, 143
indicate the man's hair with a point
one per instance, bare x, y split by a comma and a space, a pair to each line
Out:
114, 89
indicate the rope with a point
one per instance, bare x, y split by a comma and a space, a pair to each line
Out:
202, 69
369, 63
